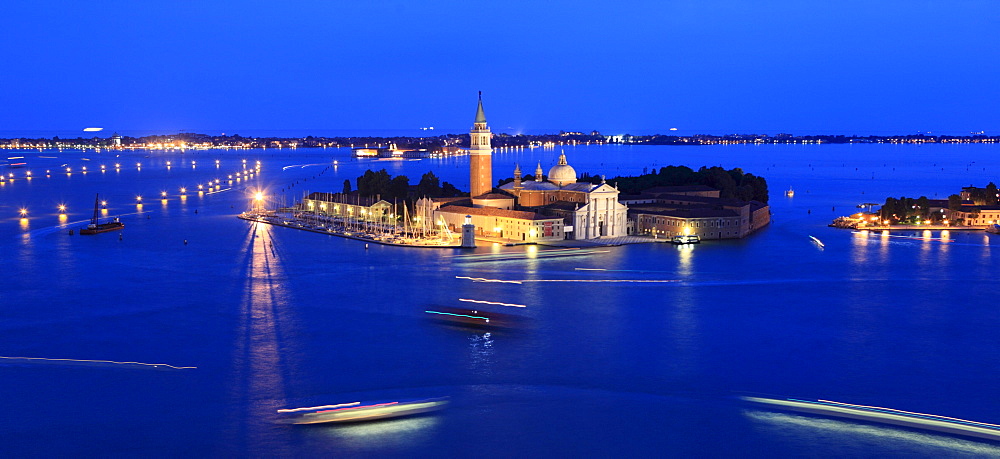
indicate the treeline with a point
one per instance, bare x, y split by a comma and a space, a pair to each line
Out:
904, 209
382, 184
732, 184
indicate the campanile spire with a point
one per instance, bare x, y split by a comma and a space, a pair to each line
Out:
480, 154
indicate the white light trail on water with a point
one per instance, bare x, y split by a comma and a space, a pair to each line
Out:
622, 270
310, 408
641, 281
111, 362
492, 302
480, 279
301, 166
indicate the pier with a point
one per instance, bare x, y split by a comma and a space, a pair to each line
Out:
384, 235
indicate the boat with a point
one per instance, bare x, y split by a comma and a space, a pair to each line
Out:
994, 228
472, 318
356, 412
686, 239
790, 193
96, 227
883, 415
817, 241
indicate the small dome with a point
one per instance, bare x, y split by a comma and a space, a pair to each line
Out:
562, 174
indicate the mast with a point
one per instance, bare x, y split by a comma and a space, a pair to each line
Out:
97, 202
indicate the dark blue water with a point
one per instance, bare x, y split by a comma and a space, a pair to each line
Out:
274, 317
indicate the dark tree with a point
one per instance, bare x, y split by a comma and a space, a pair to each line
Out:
399, 187
954, 202
374, 183
347, 186
429, 186
990, 197
449, 191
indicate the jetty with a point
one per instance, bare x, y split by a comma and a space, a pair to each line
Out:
353, 230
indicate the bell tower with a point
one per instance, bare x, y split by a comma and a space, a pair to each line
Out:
480, 154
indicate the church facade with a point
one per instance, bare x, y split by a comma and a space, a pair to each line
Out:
591, 211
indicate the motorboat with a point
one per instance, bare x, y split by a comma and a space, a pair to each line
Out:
686, 239
883, 415
472, 318
358, 412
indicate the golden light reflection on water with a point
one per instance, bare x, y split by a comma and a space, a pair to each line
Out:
883, 248
859, 253
685, 254
926, 244
24, 224
258, 365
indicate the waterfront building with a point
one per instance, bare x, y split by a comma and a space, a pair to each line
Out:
390, 152
494, 223
349, 206
694, 210
971, 215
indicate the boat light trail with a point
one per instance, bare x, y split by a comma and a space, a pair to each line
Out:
527, 255
357, 407
886, 415
480, 279
492, 302
458, 315
931, 416
112, 362
638, 281
622, 270
311, 408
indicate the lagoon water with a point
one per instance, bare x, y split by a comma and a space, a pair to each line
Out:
273, 317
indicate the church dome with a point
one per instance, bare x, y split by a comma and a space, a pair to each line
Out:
562, 174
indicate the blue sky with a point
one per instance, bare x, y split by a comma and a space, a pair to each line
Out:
637, 67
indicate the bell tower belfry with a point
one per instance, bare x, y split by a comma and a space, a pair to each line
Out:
480, 154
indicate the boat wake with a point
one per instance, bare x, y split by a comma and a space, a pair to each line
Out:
301, 166
64, 226
92, 363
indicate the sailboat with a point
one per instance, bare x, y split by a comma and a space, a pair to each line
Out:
96, 227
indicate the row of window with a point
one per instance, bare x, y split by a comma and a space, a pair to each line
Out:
695, 224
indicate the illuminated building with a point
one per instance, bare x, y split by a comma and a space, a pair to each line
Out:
668, 211
480, 154
590, 210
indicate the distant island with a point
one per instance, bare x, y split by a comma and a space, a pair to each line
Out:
444, 142
974, 208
